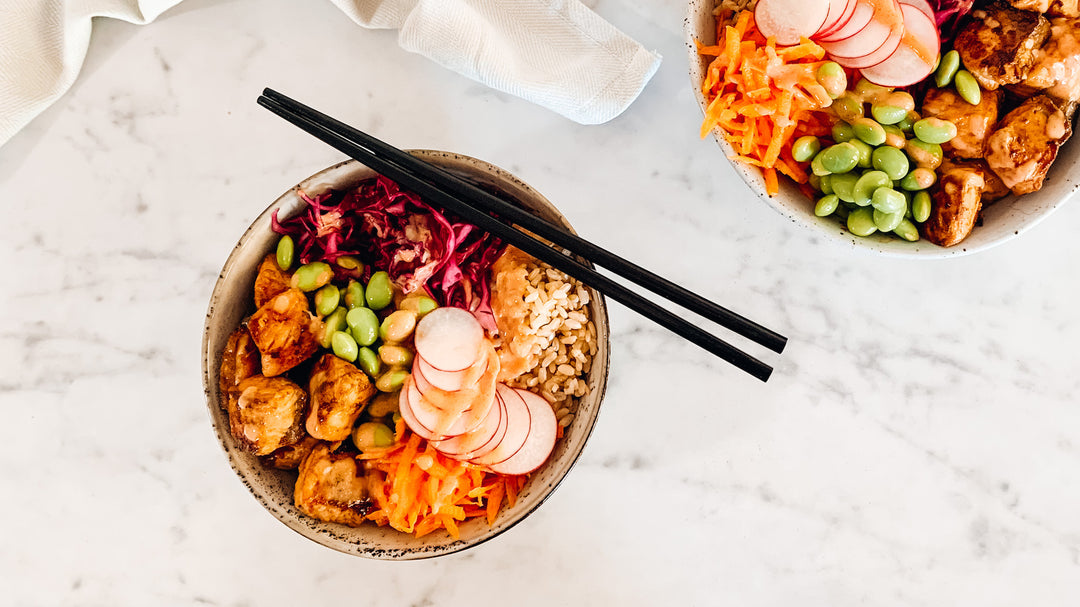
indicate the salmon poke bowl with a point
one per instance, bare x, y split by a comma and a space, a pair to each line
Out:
924, 128
390, 381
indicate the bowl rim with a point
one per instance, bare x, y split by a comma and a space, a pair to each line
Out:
828, 230
317, 535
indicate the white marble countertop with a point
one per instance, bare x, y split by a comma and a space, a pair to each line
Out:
919, 443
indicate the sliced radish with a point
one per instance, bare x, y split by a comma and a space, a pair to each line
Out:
406, 401
883, 52
456, 380
865, 41
839, 16
436, 423
789, 20
922, 5
518, 424
480, 441
449, 338
860, 17
915, 58
540, 442
479, 392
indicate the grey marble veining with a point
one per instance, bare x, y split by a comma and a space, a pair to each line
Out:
919, 443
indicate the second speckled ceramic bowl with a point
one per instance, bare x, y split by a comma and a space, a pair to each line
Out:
231, 302
1001, 221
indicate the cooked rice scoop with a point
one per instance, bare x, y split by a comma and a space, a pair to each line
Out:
547, 338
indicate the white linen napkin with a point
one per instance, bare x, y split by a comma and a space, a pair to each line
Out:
555, 53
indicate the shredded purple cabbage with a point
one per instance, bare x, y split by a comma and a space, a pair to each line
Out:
419, 246
949, 14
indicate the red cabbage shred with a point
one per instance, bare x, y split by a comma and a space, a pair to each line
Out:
418, 245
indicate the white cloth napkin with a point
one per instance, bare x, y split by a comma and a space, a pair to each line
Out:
556, 53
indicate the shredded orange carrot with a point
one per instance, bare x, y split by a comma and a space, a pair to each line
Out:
423, 490
763, 97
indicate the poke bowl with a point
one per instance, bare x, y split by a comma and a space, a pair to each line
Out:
390, 382
991, 219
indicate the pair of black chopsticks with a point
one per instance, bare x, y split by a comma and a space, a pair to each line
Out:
439, 187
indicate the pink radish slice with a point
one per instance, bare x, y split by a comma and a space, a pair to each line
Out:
789, 20
445, 380
480, 441
406, 408
883, 52
453, 380
540, 442
866, 41
859, 19
922, 5
449, 338
436, 422
518, 424
838, 20
915, 58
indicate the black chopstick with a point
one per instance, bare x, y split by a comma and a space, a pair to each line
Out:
433, 193
556, 234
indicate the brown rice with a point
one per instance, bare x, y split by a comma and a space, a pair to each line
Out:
559, 336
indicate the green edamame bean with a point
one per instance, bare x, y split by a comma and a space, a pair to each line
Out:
934, 130
333, 323
369, 362
860, 222
842, 132
887, 114
817, 168
906, 230
949, 63
832, 77
892, 161
919, 178
840, 158
350, 266
814, 181
285, 250
326, 300
842, 212
920, 206
865, 187
869, 131
826, 185
364, 325
312, 276
967, 87
379, 292
354, 294
887, 222
894, 137
888, 200
382, 405
908, 122
826, 205
422, 304
870, 92
398, 326
395, 356
844, 186
847, 107
372, 435
865, 153
391, 381
805, 148
900, 99
927, 155
344, 346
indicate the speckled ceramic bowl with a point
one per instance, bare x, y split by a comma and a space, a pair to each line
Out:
232, 301
1001, 220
